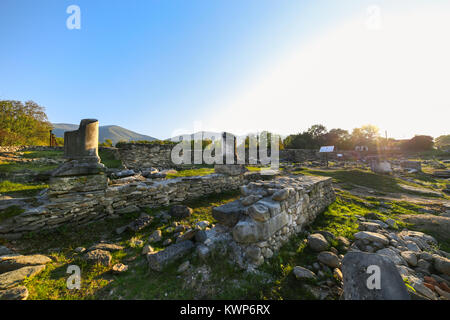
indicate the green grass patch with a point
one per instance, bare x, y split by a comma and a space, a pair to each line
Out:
108, 159
191, 173
20, 189
52, 154
10, 212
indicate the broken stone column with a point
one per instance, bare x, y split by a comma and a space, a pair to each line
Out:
230, 157
83, 171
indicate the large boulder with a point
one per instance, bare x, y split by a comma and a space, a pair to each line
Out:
355, 266
13, 262
13, 278
16, 293
229, 213
317, 242
180, 211
329, 259
158, 260
442, 264
100, 257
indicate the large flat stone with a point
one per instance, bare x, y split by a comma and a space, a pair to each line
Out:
61, 185
13, 262
354, 268
158, 260
13, 278
229, 213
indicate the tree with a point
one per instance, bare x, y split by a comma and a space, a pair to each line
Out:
107, 143
419, 143
23, 124
443, 142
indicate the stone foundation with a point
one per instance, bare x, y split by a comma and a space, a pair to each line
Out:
76, 200
269, 213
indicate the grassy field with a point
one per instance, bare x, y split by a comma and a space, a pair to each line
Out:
383, 184
274, 281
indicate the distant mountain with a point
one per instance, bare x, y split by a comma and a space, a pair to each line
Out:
114, 133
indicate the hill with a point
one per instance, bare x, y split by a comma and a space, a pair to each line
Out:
114, 133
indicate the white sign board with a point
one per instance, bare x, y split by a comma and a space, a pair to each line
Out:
327, 149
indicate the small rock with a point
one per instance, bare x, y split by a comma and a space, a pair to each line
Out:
317, 242
17, 293
147, 249
180, 211
442, 264
98, 256
80, 249
410, 257
303, 273
119, 268
329, 259
183, 267
155, 236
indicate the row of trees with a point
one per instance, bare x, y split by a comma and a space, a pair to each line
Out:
27, 124
367, 136
23, 124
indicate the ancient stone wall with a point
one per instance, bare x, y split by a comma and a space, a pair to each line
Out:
299, 155
142, 155
269, 213
28, 148
76, 200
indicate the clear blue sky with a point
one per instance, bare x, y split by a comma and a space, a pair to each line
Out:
153, 66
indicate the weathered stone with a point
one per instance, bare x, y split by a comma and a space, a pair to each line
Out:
183, 267
442, 264
259, 212
201, 236
246, 232
147, 249
372, 237
392, 255
303, 273
61, 185
280, 195
317, 242
187, 235
354, 268
155, 236
249, 200
229, 213
83, 142
16, 293
329, 259
4, 251
13, 262
98, 256
157, 261
230, 169
410, 257
180, 211
15, 277
119, 268
106, 246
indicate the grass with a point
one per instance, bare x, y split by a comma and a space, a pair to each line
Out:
52, 154
358, 177
10, 212
190, 173
20, 189
13, 167
274, 281
107, 158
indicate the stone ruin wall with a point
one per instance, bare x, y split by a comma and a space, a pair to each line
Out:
142, 155
77, 200
254, 227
